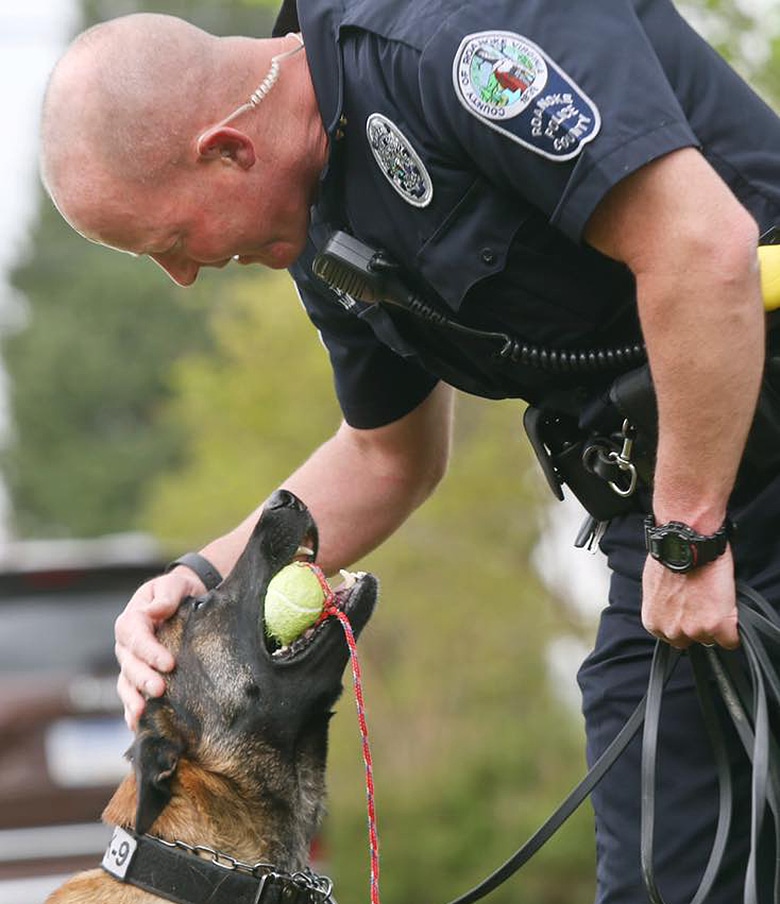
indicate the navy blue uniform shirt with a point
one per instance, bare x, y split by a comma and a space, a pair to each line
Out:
472, 143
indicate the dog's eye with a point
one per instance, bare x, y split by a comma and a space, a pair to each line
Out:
199, 602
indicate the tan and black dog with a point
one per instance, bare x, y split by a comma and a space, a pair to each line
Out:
228, 781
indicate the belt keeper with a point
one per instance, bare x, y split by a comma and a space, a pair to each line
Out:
201, 566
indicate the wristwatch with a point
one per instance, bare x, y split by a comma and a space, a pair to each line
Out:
680, 548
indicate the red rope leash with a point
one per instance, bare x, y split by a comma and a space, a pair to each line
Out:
331, 610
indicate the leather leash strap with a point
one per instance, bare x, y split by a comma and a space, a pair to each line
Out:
748, 696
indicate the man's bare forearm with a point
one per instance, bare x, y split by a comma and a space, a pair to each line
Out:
361, 485
706, 353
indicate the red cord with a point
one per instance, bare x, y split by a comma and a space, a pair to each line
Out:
330, 609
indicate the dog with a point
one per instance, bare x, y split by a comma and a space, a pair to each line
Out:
227, 788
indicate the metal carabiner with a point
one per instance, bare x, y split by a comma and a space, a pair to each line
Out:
623, 460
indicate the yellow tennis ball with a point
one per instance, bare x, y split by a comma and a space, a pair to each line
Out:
293, 601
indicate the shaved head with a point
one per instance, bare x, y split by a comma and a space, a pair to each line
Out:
150, 143
127, 101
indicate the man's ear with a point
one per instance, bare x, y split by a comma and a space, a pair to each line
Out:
227, 144
155, 759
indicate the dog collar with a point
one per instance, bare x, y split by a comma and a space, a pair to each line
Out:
172, 870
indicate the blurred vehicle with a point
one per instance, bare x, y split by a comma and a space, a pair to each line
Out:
62, 735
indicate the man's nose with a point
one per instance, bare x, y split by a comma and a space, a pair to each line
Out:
181, 270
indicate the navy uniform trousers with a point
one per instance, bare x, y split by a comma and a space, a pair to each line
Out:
614, 678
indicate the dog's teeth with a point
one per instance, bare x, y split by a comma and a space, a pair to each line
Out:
349, 579
305, 551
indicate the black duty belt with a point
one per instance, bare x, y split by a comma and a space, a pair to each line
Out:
752, 698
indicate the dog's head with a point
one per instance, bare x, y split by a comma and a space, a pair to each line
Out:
239, 710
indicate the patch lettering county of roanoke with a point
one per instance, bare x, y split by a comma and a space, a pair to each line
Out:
513, 86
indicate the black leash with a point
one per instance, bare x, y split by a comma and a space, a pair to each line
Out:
747, 696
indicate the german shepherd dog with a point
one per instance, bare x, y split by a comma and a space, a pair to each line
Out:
228, 782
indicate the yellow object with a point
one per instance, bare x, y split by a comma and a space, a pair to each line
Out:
293, 602
769, 258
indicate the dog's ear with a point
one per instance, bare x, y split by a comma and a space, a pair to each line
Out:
155, 759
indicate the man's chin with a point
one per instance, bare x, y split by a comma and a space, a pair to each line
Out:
276, 257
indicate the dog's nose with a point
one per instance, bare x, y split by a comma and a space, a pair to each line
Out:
284, 499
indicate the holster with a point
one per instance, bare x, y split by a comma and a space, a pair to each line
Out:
580, 446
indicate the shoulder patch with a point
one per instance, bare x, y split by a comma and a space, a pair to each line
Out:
511, 84
399, 162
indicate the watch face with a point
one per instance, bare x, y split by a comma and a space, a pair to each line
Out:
676, 551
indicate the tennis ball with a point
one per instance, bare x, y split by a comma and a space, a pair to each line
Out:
293, 601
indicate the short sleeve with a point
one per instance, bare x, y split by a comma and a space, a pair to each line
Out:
374, 385
555, 101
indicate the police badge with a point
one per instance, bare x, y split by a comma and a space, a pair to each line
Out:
398, 160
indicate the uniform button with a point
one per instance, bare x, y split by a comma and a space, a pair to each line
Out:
488, 256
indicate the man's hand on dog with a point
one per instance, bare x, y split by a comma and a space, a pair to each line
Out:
141, 657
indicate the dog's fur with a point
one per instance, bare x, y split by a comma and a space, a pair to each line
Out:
233, 755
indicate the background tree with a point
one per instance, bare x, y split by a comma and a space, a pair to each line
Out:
747, 34
88, 373
89, 368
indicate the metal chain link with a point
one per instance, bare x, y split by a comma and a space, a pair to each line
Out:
320, 886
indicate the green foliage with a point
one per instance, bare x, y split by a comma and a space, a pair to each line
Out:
220, 17
471, 748
747, 34
89, 369
251, 411
88, 372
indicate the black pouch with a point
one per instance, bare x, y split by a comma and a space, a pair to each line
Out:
569, 455
633, 396
581, 450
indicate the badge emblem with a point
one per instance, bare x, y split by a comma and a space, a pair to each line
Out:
399, 162
511, 84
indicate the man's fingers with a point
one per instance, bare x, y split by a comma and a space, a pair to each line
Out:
138, 673
724, 635
136, 683
158, 599
678, 641
135, 640
140, 654
133, 702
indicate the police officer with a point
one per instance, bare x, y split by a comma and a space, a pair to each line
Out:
526, 187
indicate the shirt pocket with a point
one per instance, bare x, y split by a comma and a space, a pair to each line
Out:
472, 243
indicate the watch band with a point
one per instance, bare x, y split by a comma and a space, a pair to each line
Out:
678, 547
201, 566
